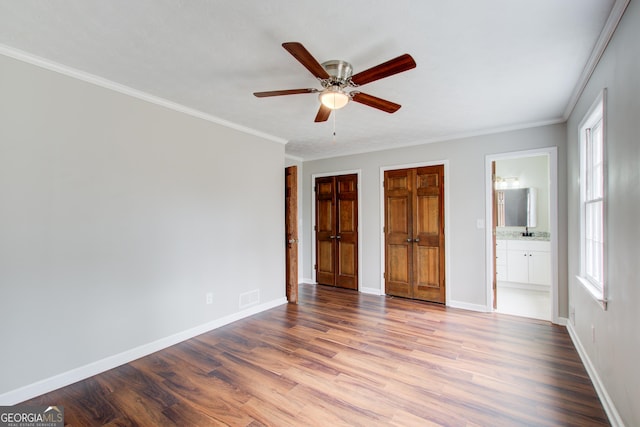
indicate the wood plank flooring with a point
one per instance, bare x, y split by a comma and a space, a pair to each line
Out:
340, 358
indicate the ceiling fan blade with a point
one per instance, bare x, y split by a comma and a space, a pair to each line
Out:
284, 92
323, 114
375, 102
394, 66
305, 58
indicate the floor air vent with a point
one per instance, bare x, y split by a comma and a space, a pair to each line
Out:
249, 298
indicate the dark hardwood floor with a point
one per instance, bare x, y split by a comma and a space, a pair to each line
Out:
340, 358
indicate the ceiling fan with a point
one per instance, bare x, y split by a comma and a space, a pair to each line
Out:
336, 75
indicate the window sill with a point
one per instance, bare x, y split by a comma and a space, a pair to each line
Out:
595, 293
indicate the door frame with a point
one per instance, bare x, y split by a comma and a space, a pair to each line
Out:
357, 172
552, 155
447, 222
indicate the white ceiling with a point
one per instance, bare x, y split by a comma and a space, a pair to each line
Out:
483, 65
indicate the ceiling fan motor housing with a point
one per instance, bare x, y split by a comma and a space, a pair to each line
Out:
340, 72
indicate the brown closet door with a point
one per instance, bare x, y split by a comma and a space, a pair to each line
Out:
428, 226
414, 233
347, 231
325, 231
398, 232
337, 231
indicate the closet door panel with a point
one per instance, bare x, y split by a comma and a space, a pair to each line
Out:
325, 231
347, 231
398, 273
337, 231
398, 233
414, 233
429, 234
427, 274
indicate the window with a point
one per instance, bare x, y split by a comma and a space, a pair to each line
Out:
592, 201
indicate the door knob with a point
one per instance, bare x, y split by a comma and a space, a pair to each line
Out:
338, 237
293, 241
332, 237
409, 240
416, 240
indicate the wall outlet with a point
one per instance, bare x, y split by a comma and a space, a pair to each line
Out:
209, 297
572, 315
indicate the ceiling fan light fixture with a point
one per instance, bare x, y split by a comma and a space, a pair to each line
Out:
334, 98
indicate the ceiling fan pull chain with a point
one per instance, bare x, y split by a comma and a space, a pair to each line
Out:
335, 113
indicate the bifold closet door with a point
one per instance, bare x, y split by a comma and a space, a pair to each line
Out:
337, 231
414, 233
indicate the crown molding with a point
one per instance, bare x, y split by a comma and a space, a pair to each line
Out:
126, 90
601, 45
295, 158
443, 138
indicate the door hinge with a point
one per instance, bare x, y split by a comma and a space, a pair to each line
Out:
315, 266
384, 275
314, 228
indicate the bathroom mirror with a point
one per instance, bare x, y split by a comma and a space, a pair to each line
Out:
516, 207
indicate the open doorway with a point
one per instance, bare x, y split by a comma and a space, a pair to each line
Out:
523, 217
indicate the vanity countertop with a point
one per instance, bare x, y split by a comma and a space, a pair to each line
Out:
517, 235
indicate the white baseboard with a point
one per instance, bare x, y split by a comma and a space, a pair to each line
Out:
524, 286
468, 306
47, 385
562, 321
605, 399
371, 291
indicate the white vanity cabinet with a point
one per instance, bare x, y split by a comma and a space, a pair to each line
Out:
501, 260
527, 261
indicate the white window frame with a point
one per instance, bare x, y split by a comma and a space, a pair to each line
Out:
593, 275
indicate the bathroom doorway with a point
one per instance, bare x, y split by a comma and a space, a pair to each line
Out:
523, 220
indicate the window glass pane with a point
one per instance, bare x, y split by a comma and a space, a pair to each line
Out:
594, 242
588, 165
597, 160
592, 170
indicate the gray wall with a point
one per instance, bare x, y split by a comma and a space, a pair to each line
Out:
615, 351
466, 192
117, 216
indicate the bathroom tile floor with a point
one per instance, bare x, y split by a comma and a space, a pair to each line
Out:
524, 302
